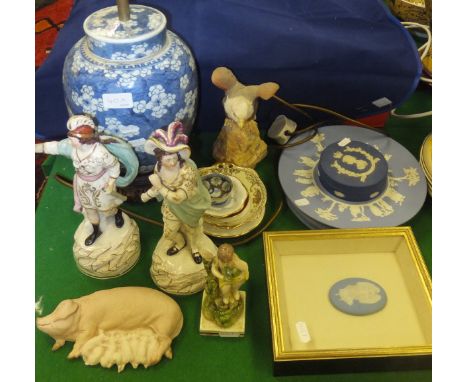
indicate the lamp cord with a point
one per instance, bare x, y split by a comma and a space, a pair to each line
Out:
423, 51
315, 126
68, 183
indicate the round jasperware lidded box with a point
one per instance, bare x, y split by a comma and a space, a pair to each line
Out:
133, 76
353, 171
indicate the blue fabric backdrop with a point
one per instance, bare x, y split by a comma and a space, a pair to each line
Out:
338, 54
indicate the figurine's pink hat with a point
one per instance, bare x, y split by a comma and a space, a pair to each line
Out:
171, 141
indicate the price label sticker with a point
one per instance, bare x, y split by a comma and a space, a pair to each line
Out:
381, 102
303, 332
117, 100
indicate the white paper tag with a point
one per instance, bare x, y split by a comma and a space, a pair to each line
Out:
344, 142
303, 332
381, 102
117, 100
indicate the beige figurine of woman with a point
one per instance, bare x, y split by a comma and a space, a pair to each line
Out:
231, 273
176, 180
177, 259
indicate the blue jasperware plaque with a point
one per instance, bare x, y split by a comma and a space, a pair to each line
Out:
133, 76
357, 296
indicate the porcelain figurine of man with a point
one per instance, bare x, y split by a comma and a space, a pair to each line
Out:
97, 174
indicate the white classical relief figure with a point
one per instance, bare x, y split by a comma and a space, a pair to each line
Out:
362, 291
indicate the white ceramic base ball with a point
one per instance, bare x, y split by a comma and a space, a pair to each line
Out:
179, 274
113, 253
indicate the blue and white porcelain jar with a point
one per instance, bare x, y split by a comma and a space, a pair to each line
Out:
133, 76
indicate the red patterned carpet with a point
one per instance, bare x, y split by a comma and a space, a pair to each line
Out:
49, 20
50, 17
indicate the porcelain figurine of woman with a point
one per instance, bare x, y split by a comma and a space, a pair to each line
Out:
177, 260
107, 242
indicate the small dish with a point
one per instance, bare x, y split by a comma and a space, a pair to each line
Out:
231, 220
219, 186
233, 205
249, 215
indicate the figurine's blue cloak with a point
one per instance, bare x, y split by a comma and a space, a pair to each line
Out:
117, 147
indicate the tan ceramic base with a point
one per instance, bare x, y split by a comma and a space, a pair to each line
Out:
209, 328
179, 274
113, 254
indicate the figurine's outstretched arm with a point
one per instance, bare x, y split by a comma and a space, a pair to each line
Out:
55, 148
150, 194
47, 148
39, 148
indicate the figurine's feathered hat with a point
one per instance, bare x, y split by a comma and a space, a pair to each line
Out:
171, 141
81, 126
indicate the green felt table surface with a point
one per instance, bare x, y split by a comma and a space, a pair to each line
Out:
196, 358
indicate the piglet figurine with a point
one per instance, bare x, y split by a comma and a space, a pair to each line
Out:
133, 325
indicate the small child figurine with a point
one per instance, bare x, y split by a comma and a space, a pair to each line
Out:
223, 303
107, 243
231, 273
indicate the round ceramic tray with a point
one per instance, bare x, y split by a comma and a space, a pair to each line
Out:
403, 198
251, 216
310, 223
235, 204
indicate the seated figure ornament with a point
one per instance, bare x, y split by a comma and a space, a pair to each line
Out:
239, 141
223, 305
107, 242
177, 265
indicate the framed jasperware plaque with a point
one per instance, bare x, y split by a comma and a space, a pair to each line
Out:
348, 300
